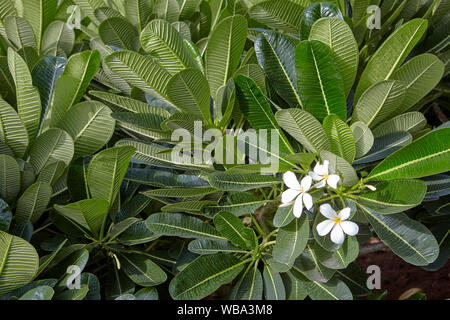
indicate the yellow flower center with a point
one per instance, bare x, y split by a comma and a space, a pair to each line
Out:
302, 190
325, 176
337, 220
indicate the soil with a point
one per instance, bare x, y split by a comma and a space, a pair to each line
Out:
397, 276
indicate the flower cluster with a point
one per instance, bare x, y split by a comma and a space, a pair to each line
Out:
297, 194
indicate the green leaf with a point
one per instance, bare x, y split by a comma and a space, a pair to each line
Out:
138, 12
232, 228
341, 137
189, 91
336, 33
206, 246
19, 32
420, 74
180, 225
51, 146
91, 214
363, 138
90, 125
283, 216
180, 192
194, 207
27, 96
273, 285
12, 130
255, 107
313, 13
342, 167
394, 196
426, 156
58, 36
9, 178
355, 278
278, 14
276, 56
138, 233
139, 71
340, 258
39, 14
306, 129
147, 294
118, 32
5, 216
249, 287
379, 102
205, 275
238, 203
120, 227
72, 84
39, 293
106, 172
309, 264
162, 41
141, 270
89, 6
167, 9
291, 240
19, 262
33, 202
224, 51
319, 80
391, 54
407, 238
240, 182
411, 122
8, 87
74, 294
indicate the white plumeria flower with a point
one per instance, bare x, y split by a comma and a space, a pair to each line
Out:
297, 191
321, 174
336, 223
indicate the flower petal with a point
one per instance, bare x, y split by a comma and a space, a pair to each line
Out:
320, 169
333, 180
337, 235
349, 227
285, 204
321, 184
344, 214
315, 176
325, 227
289, 195
325, 165
307, 200
306, 183
328, 211
290, 179
298, 206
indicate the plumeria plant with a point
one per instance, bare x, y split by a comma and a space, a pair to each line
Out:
246, 149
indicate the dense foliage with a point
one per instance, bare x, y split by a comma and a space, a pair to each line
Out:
93, 93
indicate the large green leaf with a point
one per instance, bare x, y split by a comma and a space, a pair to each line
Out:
224, 51
319, 80
276, 56
8, 87
33, 202
291, 240
340, 258
89, 6
180, 225
424, 157
411, 122
12, 130
39, 14
90, 125
207, 246
72, 84
363, 138
39, 293
304, 128
9, 178
232, 228
91, 214
205, 275
27, 96
120, 33
394, 196
336, 33
273, 285
106, 172
420, 74
379, 102
240, 182
19, 32
183, 192
249, 287
162, 41
53, 145
407, 238
138, 12
341, 137
391, 54
58, 37
19, 262
189, 91
139, 71
142, 270
340, 166
167, 9
313, 13
278, 14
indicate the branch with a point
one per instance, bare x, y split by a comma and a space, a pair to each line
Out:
262, 212
371, 247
